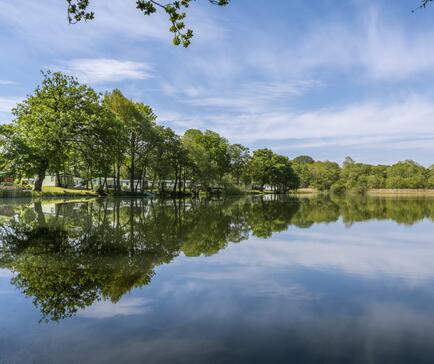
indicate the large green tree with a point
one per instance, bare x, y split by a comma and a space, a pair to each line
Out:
138, 121
239, 160
324, 174
49, 125
208, 153
300, 165
261, 167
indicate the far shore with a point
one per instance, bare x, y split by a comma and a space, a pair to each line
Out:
59, 192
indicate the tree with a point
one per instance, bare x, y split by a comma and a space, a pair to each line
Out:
208, 153
406, 174
300, 165
261, 167
100, 147
49, 125
430, 183
239, 160
78, 11
324, 174
283, 177
138, 121
303, 159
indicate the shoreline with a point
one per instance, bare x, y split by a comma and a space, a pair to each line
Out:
60, 193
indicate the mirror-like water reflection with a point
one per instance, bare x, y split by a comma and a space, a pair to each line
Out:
260, 279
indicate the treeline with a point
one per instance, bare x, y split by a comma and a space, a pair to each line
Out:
66, 128
359, 177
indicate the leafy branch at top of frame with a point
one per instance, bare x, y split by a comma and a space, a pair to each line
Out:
78, 10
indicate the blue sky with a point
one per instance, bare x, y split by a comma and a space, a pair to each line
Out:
326, 78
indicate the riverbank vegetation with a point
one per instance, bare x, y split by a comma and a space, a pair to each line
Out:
65, 128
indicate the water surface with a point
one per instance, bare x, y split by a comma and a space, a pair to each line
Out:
251, 280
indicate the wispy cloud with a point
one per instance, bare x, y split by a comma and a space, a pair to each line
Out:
248, 96
126, 307
7, 82
377, 254
8, 103
104, 70
401, 123
374, 44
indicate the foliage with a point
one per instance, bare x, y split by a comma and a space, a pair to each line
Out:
300, 165
78, 11
324, 174
50, 126
209, 155
239, 160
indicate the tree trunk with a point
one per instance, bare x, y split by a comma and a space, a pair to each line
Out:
153, 182
133, 162
184, 182
114, 179
58, 181
118, 177
175, 184
105, 184
41, 176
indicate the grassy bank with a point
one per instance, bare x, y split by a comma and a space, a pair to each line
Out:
305, 191
47, 192
60, 192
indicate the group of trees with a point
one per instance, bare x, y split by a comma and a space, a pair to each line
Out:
360, 176
401, 175
66, 127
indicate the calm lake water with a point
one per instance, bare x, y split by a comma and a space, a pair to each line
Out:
251, 280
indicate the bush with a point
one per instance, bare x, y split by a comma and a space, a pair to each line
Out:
338, 188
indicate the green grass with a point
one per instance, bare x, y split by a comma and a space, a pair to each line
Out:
64, 192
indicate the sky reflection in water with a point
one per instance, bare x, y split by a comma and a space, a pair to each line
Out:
250, 280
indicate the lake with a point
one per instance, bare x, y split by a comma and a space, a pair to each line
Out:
271, 279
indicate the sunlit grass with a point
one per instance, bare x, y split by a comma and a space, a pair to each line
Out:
61, 191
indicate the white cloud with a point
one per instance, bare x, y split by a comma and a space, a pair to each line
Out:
126, 307
354, 124
7, 82
7, 103
371, 256
248, 96
370, 44
104, 70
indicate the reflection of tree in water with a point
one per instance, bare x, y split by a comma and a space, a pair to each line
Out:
78, 253
402, 210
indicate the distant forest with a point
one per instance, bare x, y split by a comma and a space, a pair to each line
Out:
67, 127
